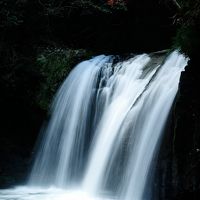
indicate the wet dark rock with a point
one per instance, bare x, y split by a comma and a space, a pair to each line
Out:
178, 176
186, 142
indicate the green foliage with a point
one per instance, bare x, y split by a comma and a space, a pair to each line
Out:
54, 65
11, 13
188, 27
189, 14
62, 8
188, 39
34, 80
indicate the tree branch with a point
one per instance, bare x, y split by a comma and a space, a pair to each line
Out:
176, 4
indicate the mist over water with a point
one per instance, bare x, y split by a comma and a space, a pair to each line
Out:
107, 121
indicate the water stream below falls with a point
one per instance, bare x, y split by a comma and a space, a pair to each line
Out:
106, 125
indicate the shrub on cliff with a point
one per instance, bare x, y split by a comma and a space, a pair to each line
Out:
54, 64
188, 22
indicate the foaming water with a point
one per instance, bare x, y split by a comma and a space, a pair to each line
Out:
28, 193
105, 129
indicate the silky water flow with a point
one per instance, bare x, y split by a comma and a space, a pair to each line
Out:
107, 121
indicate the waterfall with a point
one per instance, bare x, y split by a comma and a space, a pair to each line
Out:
106, 125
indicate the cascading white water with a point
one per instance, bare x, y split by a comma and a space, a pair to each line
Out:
105, 129
61, 153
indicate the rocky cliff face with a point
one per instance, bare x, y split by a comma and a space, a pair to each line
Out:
186, 140
177, 171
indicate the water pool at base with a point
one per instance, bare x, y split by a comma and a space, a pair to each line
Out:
26, 193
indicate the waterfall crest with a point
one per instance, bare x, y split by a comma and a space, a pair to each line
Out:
106, 124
